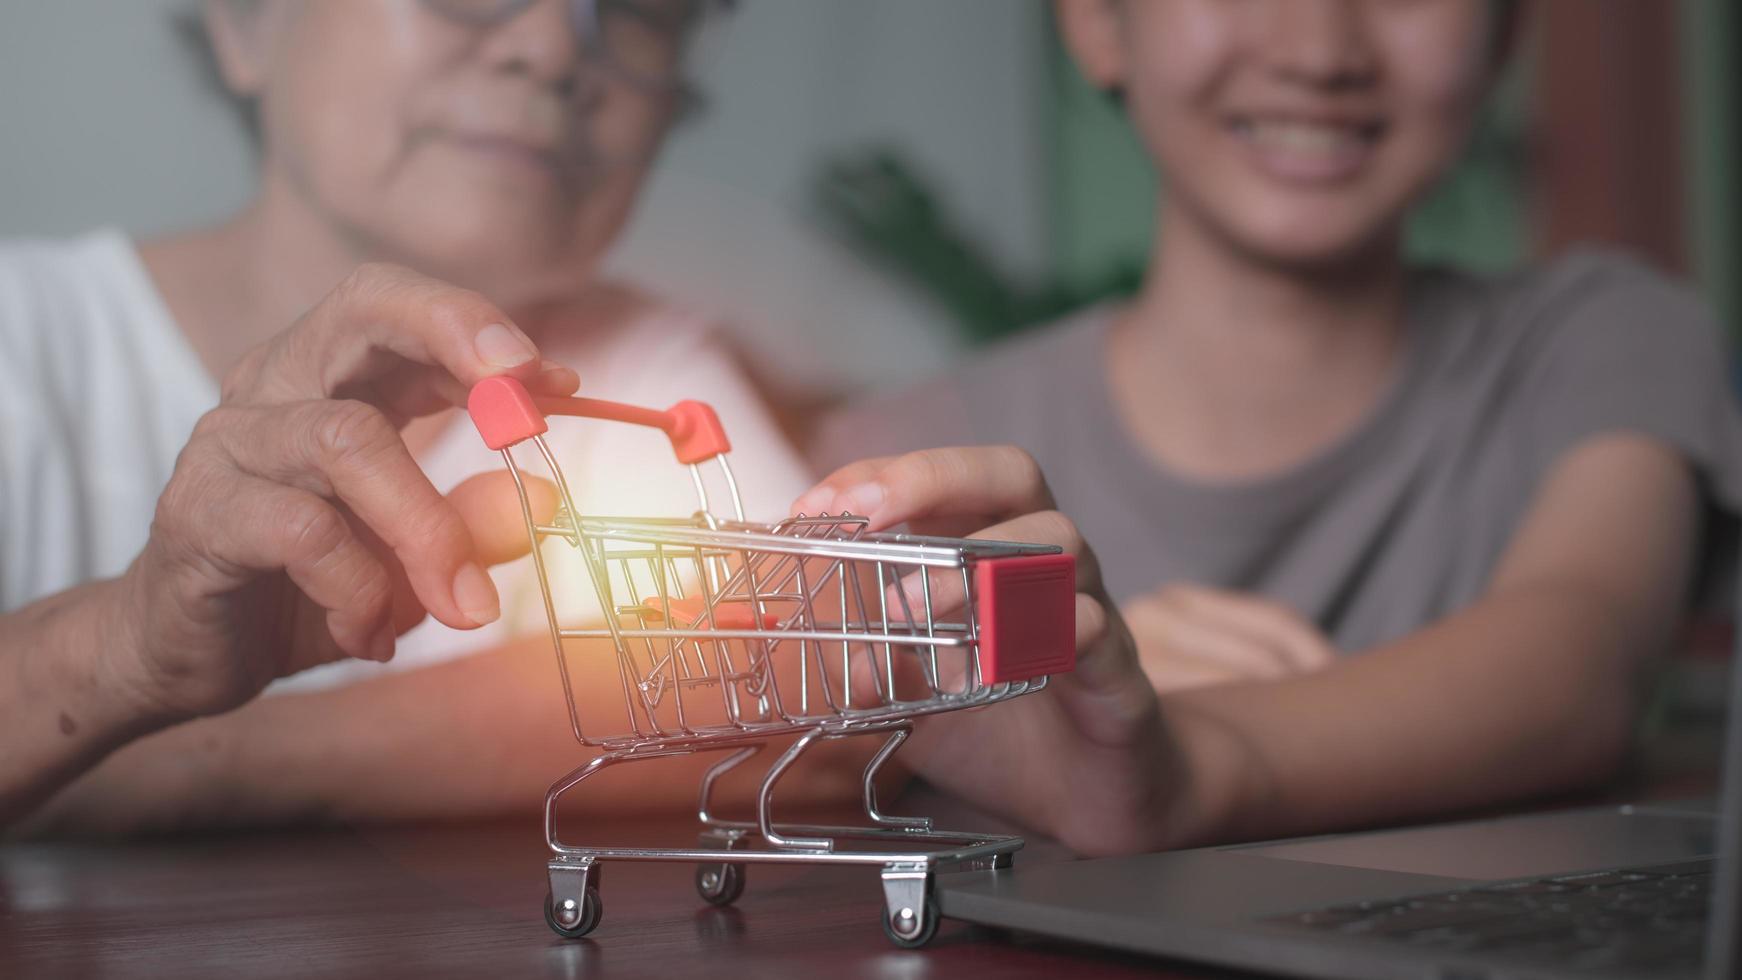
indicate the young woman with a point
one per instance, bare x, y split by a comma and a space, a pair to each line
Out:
1440, 524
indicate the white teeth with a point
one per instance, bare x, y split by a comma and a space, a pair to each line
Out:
1302, 137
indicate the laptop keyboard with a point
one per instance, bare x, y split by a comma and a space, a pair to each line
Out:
1637, 920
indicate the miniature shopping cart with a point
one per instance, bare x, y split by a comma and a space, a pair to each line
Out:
725, 635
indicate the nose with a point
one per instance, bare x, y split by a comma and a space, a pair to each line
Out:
1323, 43
538, 42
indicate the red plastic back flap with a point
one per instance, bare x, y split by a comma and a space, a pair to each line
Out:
1028, 616
696, 433
504, 413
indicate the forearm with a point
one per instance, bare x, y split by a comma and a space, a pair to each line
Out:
1523, 694
483, 734
65, 702
480, 734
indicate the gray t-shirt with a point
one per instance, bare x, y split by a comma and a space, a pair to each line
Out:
1401, 521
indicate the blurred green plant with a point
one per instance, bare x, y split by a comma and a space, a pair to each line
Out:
883, 207
1478, 218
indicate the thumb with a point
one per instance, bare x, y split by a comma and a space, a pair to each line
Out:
490, 507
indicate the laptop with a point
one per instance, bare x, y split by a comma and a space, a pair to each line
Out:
1632, 891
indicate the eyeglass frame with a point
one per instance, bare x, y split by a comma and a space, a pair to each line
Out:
587, 23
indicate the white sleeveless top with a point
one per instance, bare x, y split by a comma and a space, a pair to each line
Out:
99, 390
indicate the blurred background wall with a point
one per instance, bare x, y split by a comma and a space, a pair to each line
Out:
878, 184
108, 120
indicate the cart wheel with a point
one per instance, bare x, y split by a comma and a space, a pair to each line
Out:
579, 921
720, 884
910, 930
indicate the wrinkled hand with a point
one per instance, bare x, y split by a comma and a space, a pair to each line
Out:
1085, 760
296, 528
1195, 636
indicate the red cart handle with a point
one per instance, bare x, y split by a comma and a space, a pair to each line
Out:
506, 414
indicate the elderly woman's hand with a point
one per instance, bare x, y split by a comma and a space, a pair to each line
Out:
297, 528
1088, 760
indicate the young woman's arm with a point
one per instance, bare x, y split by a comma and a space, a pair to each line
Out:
1530, 690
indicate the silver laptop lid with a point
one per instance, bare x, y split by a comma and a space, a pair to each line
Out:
1723, 949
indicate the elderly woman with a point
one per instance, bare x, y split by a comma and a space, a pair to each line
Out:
162, 560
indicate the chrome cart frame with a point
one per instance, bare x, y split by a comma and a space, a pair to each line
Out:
728, 635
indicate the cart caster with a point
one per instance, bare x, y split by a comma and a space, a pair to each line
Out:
910, 931
720, 884
911, 913
570, 922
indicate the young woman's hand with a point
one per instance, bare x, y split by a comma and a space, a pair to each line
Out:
297, 528
1087, 760
1195, 636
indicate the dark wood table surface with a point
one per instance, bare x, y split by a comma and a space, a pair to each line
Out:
465, 900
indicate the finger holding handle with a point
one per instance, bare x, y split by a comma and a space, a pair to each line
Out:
405, 342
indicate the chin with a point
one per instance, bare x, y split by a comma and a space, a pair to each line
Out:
1312, 240
501, 259
1312, 253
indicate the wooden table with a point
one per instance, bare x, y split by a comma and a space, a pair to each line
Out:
464, 900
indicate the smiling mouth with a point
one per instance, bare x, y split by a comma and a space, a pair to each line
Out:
1307, 151
513, 151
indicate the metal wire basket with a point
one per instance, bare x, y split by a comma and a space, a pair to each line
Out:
728, 634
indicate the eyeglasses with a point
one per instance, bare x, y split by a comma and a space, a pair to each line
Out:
640, 41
